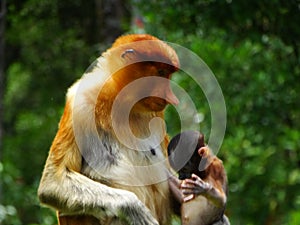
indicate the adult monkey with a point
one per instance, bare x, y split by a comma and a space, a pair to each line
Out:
90, 176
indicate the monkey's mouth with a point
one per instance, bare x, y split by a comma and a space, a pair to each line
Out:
160, 102
154, 103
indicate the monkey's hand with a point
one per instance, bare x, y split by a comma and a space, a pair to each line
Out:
196, 186
76, 194
190, 188
133, 211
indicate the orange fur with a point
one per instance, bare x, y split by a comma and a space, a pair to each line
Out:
96, 99
215, 175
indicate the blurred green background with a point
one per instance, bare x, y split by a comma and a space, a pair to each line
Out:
252, 47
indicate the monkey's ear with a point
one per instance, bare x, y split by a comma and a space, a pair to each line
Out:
207, 157
203, 152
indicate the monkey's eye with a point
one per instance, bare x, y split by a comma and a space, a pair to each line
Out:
127, 51
161, 72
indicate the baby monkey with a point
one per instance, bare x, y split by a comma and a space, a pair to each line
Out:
202, 184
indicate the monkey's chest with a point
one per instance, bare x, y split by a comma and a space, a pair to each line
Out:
123, 166
142, 172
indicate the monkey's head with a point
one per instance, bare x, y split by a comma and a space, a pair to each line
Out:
185, 154
147, 63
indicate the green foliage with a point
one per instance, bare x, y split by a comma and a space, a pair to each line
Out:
262, 115
252, 52
261, 148
45, 57
251, 46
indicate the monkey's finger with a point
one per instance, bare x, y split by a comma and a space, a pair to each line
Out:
191, 182
197, 181
188, 184
175, 180
188, 198
186, 192
196, 177
188, 189
201, 183
195, 187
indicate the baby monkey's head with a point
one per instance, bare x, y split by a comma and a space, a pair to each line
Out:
185, 152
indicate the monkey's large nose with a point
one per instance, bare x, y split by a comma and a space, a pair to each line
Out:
170, 97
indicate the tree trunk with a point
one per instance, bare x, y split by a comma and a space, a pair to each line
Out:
109, 18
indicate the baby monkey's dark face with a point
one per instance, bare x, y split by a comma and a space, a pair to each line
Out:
183, 154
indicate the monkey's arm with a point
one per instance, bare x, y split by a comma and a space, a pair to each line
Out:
197, 186
174, 185
71, 193
177, 197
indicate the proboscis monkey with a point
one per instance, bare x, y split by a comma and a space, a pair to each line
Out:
107, 164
